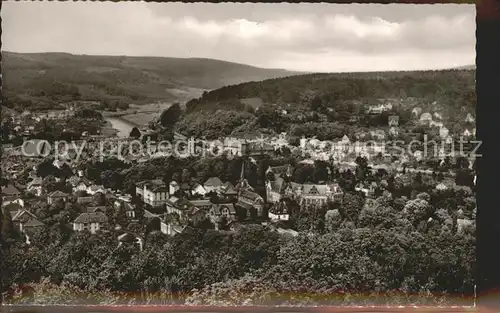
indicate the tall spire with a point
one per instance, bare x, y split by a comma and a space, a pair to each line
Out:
242, 175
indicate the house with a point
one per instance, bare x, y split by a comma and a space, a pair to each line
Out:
393, 121
171, 229
82, 186
462, 224
426, 118
415, 112
36, 186
377, 134
14, 205
31, 226
92, 222
247, 198
171, 224
93, 189
467, 133
393, 131
95, 209
129, 210
24, 220
198, 190
59, 163
441, 186
226, 210
279, 212
10, 192
153, 192
203, 204
213, 184
443, 132
84, 200
305, 194
56, 196
227, 187
173, 187
469, 118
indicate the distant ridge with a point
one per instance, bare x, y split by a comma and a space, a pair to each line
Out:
466, 67
44, 79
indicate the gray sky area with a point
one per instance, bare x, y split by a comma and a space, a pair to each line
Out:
308, 37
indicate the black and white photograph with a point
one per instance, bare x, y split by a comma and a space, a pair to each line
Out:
238, 154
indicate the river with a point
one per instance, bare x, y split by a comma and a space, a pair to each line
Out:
122, 126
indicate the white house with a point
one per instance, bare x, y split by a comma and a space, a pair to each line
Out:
443, 132
426, 118
171, 229
438, 116
199, 190
173, 187
93, 189
153, 192
469, 118
279, 216
416, 112
441, 186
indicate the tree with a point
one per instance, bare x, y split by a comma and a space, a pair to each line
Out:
8, 229
135, 133
417, 210
333, 220
171, 115
351, 206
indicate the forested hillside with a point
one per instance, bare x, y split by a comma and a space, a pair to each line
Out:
43, 80
318, 100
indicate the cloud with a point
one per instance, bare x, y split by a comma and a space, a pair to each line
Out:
357, 37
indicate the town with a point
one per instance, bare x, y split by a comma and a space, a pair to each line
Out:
273, 199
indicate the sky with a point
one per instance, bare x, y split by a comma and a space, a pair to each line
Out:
312, 37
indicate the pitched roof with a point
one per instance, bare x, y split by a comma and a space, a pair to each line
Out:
213, 182
244, 205
58, 194
94, 217
33, 223
217, 209
227, 185
278, 185
250, 195
37, 181
10, 190
18, 216
93, 209
13, 206
203, 202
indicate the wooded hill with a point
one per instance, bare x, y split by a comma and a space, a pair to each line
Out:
43, 80
280, 104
